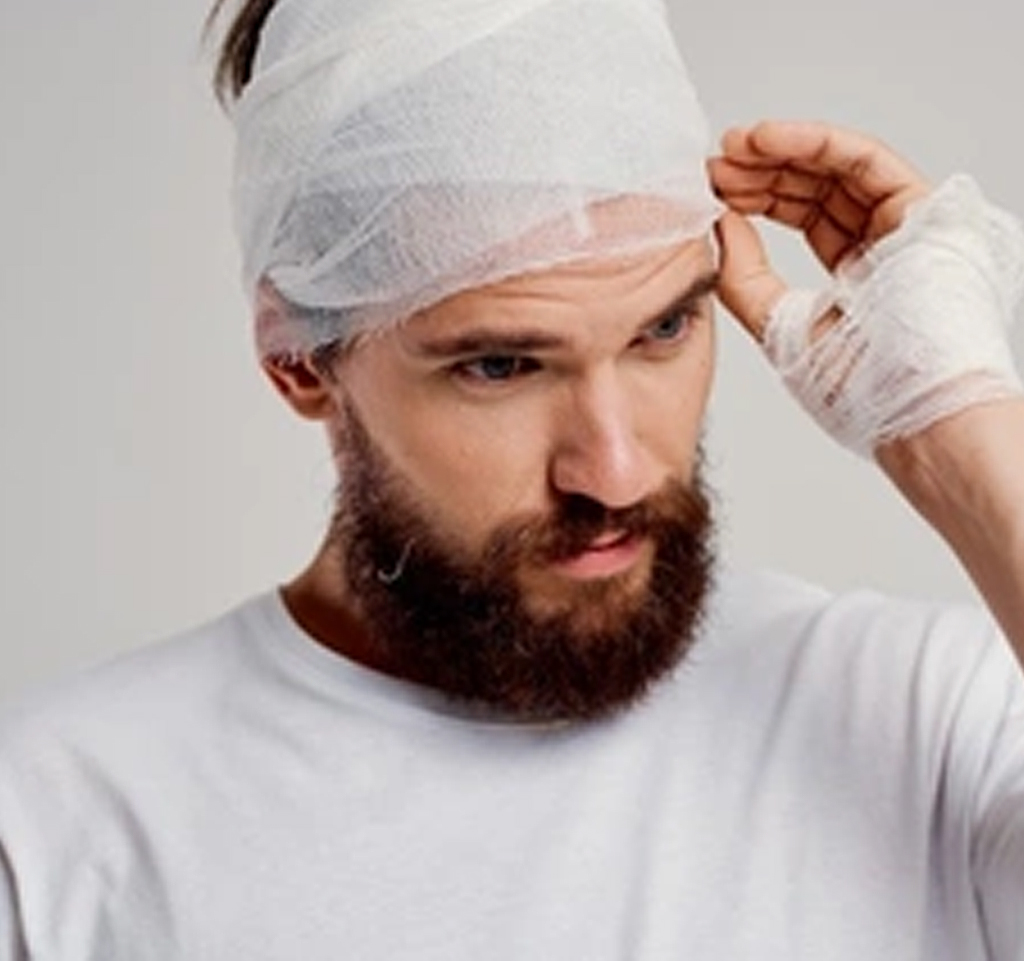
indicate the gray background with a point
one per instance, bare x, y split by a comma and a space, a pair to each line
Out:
150, 478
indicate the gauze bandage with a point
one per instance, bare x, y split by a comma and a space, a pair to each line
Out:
392, 153
912, 331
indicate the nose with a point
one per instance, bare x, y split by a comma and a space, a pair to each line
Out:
598, 450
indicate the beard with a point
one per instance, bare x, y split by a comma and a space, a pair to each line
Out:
464, 623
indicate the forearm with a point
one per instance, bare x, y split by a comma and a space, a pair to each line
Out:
965, 476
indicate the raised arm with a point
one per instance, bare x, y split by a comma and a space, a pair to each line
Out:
903, 356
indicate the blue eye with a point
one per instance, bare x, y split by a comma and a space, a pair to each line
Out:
496, 368
670, 327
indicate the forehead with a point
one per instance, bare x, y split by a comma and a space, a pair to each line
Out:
591, 295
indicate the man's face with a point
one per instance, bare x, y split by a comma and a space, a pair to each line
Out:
519, 474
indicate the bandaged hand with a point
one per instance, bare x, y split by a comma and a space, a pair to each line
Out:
911, 327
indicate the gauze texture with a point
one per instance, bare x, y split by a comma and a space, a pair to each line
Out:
921, 323
392, 153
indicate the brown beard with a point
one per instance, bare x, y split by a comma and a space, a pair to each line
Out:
463, 624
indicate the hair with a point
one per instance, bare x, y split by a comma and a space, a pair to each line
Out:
238, 46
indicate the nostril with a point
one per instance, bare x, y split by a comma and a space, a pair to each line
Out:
583, 510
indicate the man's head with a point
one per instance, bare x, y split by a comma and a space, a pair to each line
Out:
521, 519
516, 408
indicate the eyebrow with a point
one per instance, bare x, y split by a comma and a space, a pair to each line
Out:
698, 290
500, 342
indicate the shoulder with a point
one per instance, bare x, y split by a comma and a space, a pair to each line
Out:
866, 648
765, 607
131, 698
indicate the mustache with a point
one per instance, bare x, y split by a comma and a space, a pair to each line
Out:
577, 521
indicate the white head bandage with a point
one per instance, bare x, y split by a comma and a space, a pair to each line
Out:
392, 153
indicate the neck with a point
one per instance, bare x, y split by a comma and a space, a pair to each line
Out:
319, 603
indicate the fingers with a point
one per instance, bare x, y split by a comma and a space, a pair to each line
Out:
754, 186
748, 286
833, 222
868, 168
842, 189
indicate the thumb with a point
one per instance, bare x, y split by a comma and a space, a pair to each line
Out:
748, 285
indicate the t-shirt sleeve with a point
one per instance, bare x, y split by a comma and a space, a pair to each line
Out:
998, 843
12, 946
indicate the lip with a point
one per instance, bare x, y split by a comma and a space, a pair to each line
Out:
608, 555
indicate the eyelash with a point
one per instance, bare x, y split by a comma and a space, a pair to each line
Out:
474, 370
668, 332
676, 327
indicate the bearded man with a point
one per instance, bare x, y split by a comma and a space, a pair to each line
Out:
513, 708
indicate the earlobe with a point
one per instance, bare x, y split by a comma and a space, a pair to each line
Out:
301, 384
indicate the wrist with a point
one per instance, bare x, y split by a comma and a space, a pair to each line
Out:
965, 474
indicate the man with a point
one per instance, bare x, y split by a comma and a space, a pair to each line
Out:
509, 710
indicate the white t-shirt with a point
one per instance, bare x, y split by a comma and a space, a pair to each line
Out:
823, 779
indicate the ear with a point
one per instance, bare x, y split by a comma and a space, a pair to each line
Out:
306, 388
298, 379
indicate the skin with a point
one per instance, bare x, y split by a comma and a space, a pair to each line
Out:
588, 379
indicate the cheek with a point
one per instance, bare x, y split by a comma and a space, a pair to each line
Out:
671, 403
472, 467
490, 466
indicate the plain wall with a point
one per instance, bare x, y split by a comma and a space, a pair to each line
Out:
150, 478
